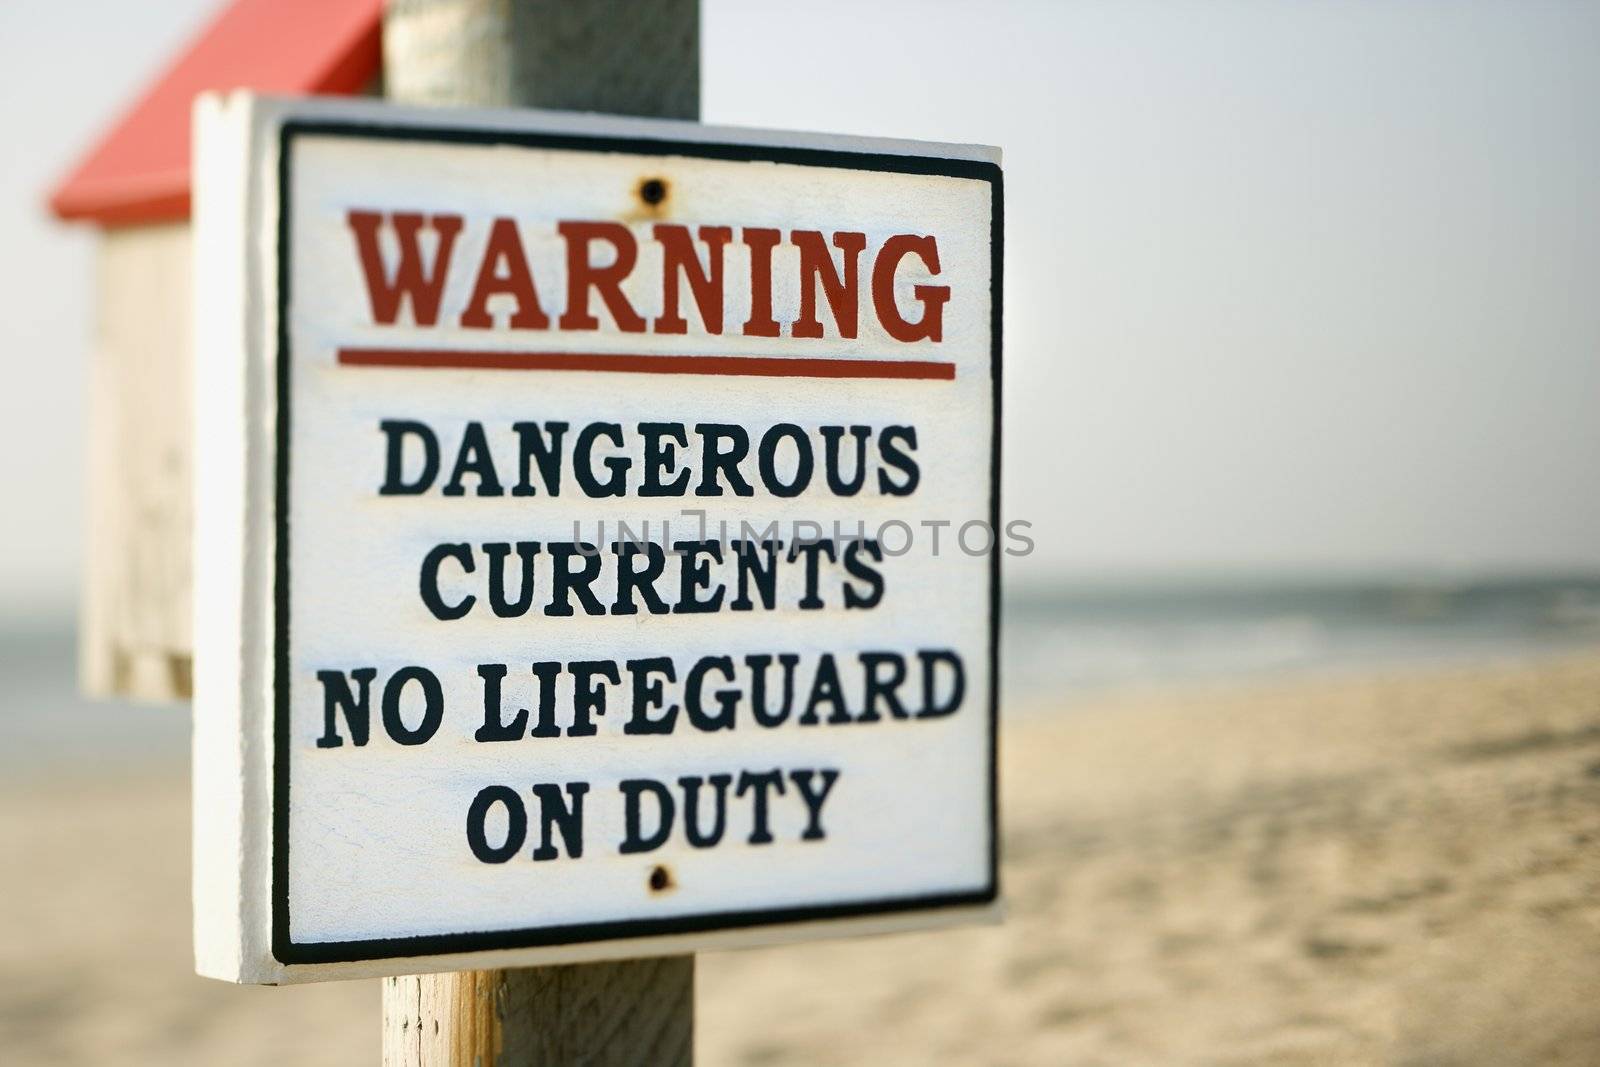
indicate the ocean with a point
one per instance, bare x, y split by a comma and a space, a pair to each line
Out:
1095, 638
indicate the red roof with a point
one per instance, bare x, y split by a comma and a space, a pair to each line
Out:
139, 171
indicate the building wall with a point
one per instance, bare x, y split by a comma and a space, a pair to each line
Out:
135, 636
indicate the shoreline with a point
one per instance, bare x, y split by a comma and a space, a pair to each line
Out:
1024, 710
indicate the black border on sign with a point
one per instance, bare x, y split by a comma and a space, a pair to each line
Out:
288, 951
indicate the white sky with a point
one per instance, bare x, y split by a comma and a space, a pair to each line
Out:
1292, 286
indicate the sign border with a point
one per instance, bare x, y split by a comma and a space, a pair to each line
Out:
289, 952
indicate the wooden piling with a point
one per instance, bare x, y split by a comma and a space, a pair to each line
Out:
629, 57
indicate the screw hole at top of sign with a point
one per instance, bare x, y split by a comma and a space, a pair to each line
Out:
653, 191
660, 879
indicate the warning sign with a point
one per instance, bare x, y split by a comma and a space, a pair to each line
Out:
599, 537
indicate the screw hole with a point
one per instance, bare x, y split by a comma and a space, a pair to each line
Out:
652, 191
660, 878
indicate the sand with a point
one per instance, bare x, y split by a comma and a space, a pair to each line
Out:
1397, 870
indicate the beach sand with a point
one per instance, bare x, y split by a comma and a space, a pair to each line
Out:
1389, 870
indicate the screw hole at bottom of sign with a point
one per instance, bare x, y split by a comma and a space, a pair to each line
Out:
660, 879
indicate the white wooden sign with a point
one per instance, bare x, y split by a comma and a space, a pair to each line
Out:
596, 550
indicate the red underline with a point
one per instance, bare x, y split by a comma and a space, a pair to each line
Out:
627, 363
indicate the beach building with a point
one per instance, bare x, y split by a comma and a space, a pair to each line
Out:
133, 185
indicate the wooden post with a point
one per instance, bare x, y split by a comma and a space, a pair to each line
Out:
631, 57
636, 1011
625, 57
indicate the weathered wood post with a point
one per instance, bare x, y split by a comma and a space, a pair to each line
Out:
631, 57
